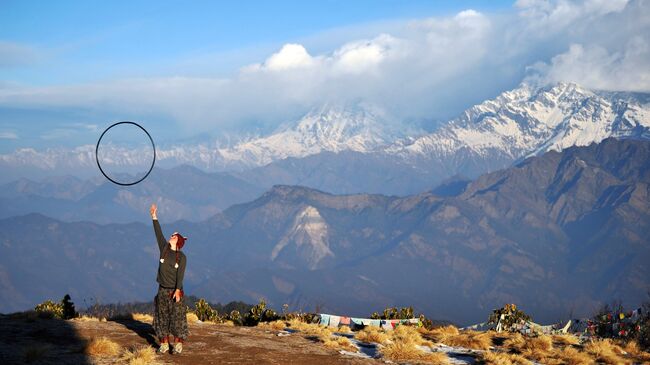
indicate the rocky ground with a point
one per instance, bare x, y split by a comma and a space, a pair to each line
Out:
49, 341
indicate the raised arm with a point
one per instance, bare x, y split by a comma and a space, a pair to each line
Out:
156, 228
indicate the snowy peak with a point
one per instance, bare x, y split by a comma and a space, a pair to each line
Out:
333, 128
529, 121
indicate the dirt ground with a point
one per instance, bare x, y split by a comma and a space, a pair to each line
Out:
50, 341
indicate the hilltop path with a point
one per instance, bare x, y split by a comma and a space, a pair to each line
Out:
208, 343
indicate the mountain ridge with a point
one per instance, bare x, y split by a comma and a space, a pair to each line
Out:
559, 231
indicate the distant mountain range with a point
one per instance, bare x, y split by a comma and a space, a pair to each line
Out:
558, 234
341, 149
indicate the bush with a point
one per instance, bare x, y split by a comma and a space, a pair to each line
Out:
394, 313
68, 308
49, 309
259, 313
509, 316
235, 317
204, 311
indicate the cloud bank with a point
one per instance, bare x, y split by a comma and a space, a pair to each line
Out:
422, 69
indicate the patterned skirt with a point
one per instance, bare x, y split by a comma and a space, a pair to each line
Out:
169, 316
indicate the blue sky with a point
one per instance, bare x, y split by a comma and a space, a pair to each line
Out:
82, 41
197, 71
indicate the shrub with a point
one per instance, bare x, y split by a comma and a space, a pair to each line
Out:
204, 311
235, 317
68, 308
509, 316
49, 309
259, 313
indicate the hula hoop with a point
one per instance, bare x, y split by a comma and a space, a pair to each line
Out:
153, 162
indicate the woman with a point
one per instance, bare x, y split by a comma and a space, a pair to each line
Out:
169, 316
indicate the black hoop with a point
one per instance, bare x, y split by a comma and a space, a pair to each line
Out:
100, 166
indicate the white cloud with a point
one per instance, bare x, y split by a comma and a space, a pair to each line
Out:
8, 135
423, 68
290, 56
361, 56
595, 67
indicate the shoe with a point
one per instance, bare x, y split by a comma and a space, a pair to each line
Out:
178, 347
164, 348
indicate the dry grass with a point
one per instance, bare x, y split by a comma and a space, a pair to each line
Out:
408, 352
372, 335
606, 351
402, 346
191, 317
344, 329
228, 323
569, 356
502, 358
538, 348
633, 349
142, 317
566, 339
440, 334
471, 340
274, 326
139, 355
451, 336
409, 334
102, 347
85, 318
311, 329
36, 352
340, 343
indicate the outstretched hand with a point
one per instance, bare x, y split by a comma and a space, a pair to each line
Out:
153, 211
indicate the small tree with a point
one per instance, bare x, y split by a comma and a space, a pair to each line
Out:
68, 308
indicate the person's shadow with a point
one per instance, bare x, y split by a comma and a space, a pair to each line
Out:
142, 329
33, 338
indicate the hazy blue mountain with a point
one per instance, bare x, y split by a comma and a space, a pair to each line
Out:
557, 234
184, 192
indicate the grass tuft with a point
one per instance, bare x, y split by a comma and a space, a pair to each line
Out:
502, 358
565, 339
440, 334
339, 343
408, 352
142, 317
102, 347
606, 351
274, 326
192, 317
139, 355
372, 335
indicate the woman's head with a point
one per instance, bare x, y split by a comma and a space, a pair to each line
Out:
177, 240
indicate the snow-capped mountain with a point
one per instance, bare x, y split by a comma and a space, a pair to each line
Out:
338, 146
333, 128
356, 127
529, 121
